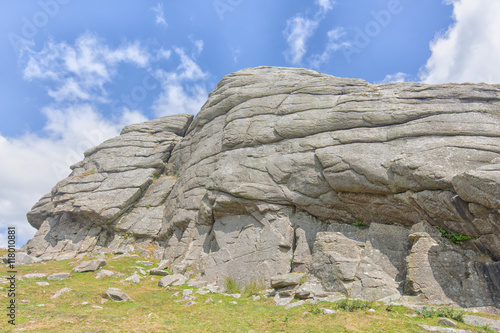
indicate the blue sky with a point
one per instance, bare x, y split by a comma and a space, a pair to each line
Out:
74, 72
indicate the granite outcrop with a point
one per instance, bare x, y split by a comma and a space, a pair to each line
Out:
290, 170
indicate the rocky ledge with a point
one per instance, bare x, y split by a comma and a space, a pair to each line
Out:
290, 170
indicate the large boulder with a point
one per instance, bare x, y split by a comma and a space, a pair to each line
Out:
286, 170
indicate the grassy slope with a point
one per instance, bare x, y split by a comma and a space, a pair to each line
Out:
154, 309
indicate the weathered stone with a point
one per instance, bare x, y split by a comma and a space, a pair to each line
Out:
35, 275
89, 266
156, 271
104, 273
42, 283
172, 280
294, 304
480, 321
286, 280
447, 322
60, 292
134, 278
20, 258
58, 276
117, 295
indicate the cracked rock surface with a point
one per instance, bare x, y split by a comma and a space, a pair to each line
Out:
290, 170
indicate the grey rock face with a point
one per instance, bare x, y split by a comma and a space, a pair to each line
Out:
117, 295
290, 170
89, 266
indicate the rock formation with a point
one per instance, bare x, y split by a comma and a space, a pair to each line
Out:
288, 170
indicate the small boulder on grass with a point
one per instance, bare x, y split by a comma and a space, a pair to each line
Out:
60, 292
160, 272
172, 280
58, 276
117, 295
104, 273
89, 266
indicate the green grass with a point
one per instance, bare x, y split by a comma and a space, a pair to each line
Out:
154, 309
455, 238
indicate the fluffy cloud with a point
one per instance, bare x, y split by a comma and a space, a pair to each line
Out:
470, 49
160, 15
334, 43
300, 28
79, 72
398, 77
33, 163
183, 90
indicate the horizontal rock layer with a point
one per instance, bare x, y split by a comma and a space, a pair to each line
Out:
280, 171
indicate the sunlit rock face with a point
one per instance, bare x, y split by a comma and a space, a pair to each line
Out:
288, 169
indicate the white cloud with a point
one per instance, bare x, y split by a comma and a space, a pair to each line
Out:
398, 77
297, 32
183, 90
470, 49
300, 28
33, 163
325, 5
334, 44
160, 15
80, 71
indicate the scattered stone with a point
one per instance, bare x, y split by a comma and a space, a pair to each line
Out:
328, 311
189, 303
58, 276
294, 304
233, 302
282, 301
255, 297
117, 295
24, 301
41, 305
84, 303
144, 263
97, 307
176, 294
172, 280
196, 284
35, 275
104, 273
104, 300
208, 300
141, 271
447, 322
42, 283
372, 310
286, 280
310, 290
21, 259
156, 271
442, 329
233, 295
479, 321
202, 292
134, 278
89, 266
60, 292
187, 294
